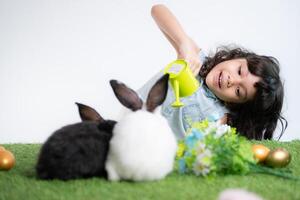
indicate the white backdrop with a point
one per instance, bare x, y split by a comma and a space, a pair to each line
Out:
53, 53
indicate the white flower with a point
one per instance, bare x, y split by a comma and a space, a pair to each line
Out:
200, 148
222, 129
212, 126
201, 170
202, 163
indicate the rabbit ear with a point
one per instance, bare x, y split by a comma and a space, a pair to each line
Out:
126, 96
157, 93
88, 113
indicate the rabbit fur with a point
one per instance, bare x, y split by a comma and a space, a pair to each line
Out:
77, 150
142, 147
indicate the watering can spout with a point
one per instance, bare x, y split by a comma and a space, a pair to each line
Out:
182, 80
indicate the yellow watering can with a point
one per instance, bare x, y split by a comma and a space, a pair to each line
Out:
182, 80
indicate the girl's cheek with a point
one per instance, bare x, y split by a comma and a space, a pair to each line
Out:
230, 96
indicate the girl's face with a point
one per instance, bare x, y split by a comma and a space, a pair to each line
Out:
232, 82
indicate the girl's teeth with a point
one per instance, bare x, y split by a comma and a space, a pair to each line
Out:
220, 80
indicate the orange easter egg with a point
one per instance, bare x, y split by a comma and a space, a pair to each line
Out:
260, 152
2, 148
279, 157
7, 160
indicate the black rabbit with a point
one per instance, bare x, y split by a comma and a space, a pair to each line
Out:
77, 150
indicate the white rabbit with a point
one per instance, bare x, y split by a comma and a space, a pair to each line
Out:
143, 146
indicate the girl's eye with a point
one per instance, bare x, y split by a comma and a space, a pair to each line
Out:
240, 70
237, 91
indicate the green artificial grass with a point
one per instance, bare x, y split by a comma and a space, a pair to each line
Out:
20, 182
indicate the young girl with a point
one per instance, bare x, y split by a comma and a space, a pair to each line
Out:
238, 87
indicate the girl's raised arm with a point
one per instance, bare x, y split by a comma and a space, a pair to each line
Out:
185, 47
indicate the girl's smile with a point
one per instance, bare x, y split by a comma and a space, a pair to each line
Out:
218, 80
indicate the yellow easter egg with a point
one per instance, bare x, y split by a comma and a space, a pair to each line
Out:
260, 152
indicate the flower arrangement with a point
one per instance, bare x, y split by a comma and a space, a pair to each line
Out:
210, 148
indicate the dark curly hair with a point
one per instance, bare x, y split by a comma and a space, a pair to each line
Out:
257, 118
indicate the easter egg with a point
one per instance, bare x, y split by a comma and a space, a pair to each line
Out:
279, 157
7, 160
260, 152
2, 148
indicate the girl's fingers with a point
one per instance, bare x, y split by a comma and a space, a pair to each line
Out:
196, 72
195, 67
194, 64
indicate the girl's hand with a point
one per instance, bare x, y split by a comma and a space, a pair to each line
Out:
224, 119
189, 51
